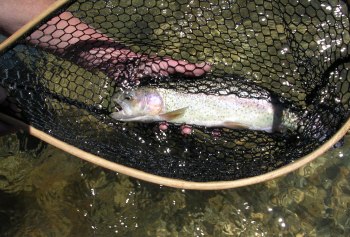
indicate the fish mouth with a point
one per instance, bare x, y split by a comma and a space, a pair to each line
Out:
116, 106
117, 101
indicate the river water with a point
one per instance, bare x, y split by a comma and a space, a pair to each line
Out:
46, 192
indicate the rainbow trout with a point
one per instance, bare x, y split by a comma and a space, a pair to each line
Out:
147, 104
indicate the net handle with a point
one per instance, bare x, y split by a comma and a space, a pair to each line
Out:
176, 183
12, 39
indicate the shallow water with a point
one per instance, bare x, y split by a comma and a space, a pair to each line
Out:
46, 192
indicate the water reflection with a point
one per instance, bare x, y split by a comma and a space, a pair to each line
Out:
45, 192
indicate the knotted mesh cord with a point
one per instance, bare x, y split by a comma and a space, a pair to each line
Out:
298, 51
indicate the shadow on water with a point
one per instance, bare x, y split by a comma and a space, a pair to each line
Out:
11, 212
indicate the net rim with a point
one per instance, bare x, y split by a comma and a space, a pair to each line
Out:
135, 173
171, 182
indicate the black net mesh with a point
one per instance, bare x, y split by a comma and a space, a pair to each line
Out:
294, 53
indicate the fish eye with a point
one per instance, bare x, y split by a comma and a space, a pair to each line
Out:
129, 95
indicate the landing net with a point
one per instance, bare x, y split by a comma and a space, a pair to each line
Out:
296, 52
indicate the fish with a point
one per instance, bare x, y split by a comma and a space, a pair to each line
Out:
151, 104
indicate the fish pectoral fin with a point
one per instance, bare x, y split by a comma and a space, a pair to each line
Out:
235, 125
173, 114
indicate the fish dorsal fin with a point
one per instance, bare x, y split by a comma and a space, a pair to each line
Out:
235, 125
173, 114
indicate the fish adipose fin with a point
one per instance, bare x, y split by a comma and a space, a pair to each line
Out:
235, 125
173, 114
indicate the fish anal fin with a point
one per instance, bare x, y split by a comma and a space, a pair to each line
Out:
235, 125
173, 114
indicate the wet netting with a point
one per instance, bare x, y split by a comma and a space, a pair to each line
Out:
62, 77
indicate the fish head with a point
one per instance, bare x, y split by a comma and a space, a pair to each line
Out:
137, 104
